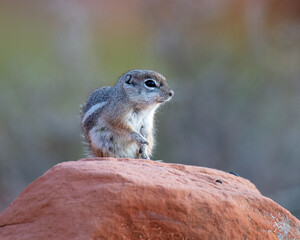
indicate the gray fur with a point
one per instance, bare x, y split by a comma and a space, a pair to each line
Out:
118, 121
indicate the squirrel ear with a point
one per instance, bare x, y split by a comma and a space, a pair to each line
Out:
128, 79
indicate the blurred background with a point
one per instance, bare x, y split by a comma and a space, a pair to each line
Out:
234, 66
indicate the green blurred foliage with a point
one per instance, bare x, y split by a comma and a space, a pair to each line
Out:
234, 66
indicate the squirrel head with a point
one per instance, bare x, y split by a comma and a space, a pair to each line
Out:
145, 87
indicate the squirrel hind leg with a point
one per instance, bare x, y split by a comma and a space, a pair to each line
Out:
98, 152
101, 142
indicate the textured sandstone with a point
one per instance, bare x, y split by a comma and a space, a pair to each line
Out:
140, 199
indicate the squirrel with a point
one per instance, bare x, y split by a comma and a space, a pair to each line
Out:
118, 121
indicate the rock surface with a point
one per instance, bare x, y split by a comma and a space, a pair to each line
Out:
107, 198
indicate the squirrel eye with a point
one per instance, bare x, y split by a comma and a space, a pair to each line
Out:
150, 83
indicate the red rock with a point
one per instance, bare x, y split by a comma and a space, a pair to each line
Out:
141, 199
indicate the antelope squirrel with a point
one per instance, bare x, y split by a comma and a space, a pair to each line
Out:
118, 121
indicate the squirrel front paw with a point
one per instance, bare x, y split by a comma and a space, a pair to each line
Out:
139, 138
144, 156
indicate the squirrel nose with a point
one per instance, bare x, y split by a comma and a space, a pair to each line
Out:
171, 93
